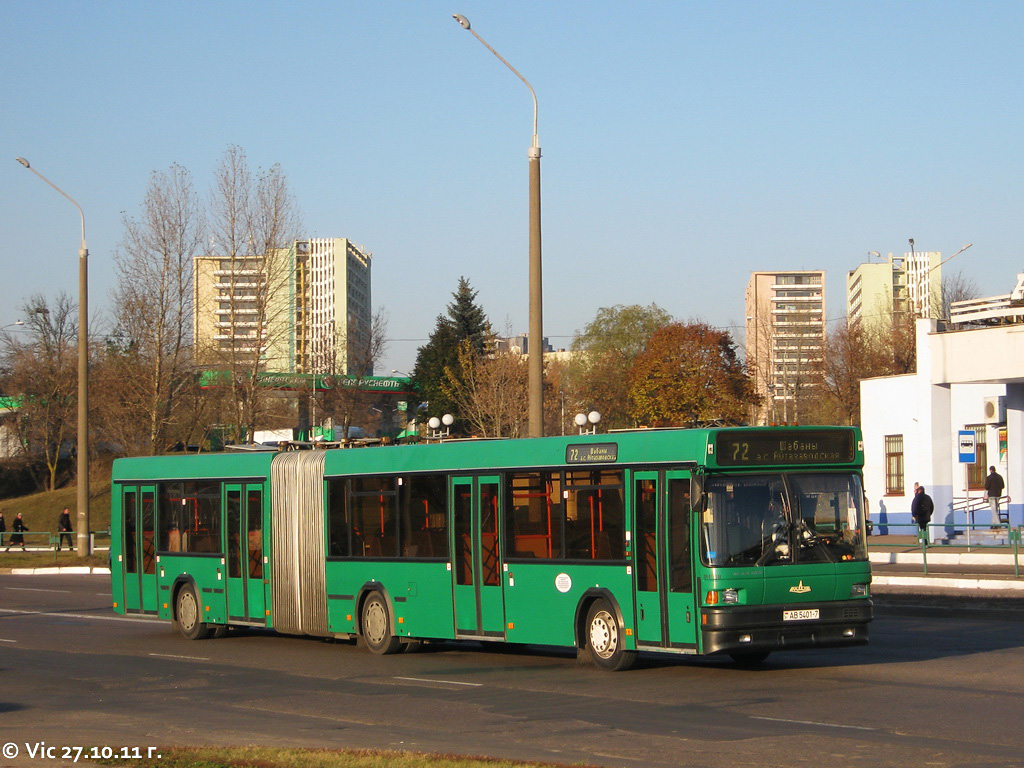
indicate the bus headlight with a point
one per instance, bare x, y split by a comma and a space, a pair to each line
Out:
858, 590
722, 596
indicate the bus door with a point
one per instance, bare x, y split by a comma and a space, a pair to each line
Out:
243, 531
665, 608
476, 566
138, 506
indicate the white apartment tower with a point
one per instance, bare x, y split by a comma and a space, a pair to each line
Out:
785, 341
333, 296
302, 309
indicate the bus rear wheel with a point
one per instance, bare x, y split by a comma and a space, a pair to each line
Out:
188, 613
604, 642
376, 626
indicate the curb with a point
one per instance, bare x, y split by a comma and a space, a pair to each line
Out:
965, 584
940, 558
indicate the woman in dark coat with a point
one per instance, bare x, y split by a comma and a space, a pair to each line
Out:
16, 538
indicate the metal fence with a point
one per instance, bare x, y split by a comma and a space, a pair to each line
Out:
1007, 541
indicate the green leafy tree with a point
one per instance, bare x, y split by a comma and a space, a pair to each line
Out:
605, 352
688, 375
465, 321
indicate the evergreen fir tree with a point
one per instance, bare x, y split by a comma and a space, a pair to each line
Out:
465, 320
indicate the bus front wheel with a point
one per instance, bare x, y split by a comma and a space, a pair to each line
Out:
377, 626
604, 641
188, 615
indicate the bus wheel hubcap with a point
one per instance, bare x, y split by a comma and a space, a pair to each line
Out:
603, 634
376, 622
187, 611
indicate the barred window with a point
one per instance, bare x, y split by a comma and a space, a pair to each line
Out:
894, 465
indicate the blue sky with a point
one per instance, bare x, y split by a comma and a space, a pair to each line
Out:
685, 143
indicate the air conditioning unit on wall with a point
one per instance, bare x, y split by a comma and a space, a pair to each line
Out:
995, 410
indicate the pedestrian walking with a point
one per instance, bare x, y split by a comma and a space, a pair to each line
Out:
921, 508
3, 527
18, 527
64, 528
994, 490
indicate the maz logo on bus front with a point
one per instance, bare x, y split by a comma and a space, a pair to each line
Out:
800, 588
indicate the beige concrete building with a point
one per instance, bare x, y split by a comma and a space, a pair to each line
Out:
785, 341
909, 283
302, 309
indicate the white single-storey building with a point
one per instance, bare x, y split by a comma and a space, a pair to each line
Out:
967, 380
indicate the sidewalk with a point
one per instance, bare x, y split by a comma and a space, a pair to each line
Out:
898, 566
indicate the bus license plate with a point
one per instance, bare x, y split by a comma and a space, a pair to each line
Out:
805, 615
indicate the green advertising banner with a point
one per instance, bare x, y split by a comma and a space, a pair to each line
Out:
319, 381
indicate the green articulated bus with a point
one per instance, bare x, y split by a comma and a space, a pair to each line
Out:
731, 541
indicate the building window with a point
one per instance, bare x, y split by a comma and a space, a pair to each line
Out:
978, 471
894, 465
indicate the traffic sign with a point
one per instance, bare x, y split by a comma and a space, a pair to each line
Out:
968, 446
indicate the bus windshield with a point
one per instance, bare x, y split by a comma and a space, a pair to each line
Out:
782, 518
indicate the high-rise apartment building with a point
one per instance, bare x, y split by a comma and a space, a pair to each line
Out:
332, 291
302, 309
910, 284
785, 341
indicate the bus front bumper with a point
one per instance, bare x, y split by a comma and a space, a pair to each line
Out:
742, 629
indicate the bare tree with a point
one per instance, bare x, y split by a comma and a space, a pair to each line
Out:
149, 364
354, 358
955, 287
253, 219
42, 372
490, 391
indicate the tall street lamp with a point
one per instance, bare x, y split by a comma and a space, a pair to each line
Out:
83, 375
536, 359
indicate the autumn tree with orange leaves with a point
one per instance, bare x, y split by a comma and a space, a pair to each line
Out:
689, 375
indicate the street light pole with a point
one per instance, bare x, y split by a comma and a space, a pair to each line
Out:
535, 365
83, 375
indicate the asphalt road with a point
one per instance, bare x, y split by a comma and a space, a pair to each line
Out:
928, 691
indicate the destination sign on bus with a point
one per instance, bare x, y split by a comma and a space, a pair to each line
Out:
778, 448
592, 453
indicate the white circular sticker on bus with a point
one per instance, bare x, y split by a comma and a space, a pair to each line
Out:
563, 582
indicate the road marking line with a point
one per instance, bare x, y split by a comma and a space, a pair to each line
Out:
812, 722
7, 641
176, 656
31, 589
154, 620
446, 682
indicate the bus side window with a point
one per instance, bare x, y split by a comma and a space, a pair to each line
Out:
533, 515
680, 570
339, 523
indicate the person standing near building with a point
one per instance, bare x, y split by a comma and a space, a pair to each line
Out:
64, 527
921, 508
3, 527
994, 490
18, 528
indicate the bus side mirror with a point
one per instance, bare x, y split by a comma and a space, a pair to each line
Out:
696, 491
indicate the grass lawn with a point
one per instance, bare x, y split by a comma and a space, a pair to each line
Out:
40, 512
265, 757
